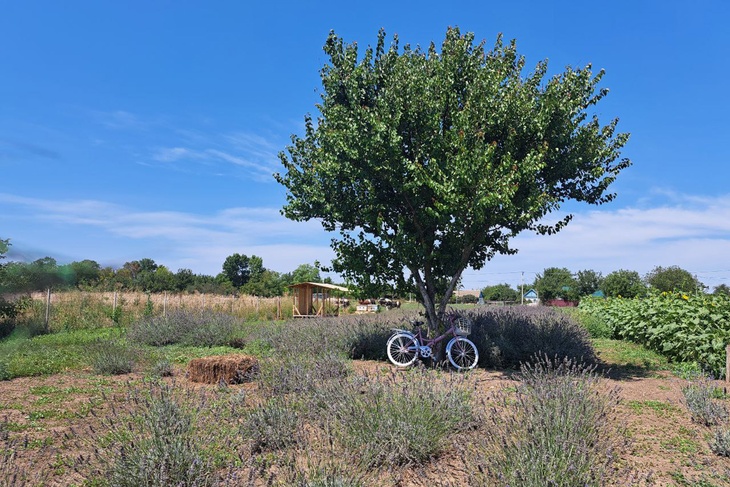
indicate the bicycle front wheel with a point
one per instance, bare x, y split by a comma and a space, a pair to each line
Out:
402, 349
462, 353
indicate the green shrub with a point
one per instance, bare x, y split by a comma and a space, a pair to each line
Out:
720, 442
112, 357
699, 396
682, 327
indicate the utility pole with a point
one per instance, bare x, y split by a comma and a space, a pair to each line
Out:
522, 288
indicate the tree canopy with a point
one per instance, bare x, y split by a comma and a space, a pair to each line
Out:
556, 283
624, 283
430, 161
673, 278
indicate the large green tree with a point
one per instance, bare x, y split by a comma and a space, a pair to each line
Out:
429, 161
556, 283
624, 283
673, 278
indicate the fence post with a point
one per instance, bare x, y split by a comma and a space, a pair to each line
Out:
727, 364
164, 306
48, 309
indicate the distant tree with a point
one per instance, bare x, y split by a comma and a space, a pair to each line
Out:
8, 309
588, 282
624, 283
237, 269
184, 280
500, 292
556, 283
267, 284
430, 161
84, 273
44, 274
722, 289
306, 273
673, 278
147, 265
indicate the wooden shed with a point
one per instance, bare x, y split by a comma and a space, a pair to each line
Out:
313, 299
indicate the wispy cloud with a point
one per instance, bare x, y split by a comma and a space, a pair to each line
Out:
689, 231
206, 239
16, 149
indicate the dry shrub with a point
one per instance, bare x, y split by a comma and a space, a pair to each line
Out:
230, 369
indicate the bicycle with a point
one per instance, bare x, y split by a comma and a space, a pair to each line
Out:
404, 346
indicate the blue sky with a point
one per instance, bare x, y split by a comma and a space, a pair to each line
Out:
151, 129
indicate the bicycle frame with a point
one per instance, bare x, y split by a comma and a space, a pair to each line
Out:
404, 347
426, 342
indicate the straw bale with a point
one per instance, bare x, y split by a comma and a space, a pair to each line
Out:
231, 369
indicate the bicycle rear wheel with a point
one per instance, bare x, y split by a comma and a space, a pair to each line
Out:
402, 349
462, 353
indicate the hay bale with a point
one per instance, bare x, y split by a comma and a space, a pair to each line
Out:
231, 369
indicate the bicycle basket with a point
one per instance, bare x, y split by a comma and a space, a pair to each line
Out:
462, 325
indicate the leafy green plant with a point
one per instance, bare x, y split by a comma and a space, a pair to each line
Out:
683, 327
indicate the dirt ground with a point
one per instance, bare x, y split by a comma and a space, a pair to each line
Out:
667, 448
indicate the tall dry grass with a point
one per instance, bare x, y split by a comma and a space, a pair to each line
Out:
73, 310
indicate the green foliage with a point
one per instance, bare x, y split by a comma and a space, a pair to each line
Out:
463, 152
112, 357
623, 283
48, 354
236, 269
699, 396
500, 292
673, 279
720, 442
557, 431
722, 289
684, 328
588, 282
556, 283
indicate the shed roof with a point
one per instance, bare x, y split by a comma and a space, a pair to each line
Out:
321, 285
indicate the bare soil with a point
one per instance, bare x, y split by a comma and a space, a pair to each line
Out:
667, 449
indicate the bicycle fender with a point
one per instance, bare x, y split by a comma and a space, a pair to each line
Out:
399, 330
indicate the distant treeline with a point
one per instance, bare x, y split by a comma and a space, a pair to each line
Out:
240, 275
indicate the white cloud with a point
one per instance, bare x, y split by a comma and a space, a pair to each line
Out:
691, 232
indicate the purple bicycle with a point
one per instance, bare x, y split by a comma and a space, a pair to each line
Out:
404, 346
